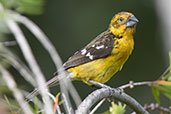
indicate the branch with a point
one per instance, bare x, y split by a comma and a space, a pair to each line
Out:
164, 73
106, 92
97, 106
154, 106
132, 84
57, 107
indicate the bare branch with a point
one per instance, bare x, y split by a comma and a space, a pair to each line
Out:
164, 73
156, 106
106, 92
97, 106
54, 100
132, 84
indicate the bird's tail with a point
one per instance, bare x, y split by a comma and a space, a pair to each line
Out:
54, 81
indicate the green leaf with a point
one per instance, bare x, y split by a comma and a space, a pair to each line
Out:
163, 85
30, 6
116, 109
166, 90
34, 7
156, 94
167, 77
8, 3
35, 108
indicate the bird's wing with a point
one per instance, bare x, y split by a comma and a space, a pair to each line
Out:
100, 47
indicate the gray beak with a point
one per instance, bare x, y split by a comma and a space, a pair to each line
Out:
131, 21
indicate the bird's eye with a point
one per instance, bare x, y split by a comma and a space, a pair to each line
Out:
121, 18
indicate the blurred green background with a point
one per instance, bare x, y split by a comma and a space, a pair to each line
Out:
71, 24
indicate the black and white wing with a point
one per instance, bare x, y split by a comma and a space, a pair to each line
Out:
100, 47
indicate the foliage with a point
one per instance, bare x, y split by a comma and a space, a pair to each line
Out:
163, 86
116, 109
35, 108
25, 6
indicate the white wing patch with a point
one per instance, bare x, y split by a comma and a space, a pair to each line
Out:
89, 55
100, 47
83, 52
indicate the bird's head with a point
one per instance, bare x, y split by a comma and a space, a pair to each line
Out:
123, 22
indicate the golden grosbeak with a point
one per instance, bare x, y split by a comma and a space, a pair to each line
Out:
106, 54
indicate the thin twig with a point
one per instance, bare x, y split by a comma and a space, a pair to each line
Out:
164, 73
132, 84
54, 99
98, 85
97, 106
156, 106
106, 92
13, 87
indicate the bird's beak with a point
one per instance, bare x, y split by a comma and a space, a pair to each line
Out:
131, 21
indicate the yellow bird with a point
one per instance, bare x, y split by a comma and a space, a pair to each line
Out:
106, 54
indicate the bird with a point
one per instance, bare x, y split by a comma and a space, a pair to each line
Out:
106, 54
